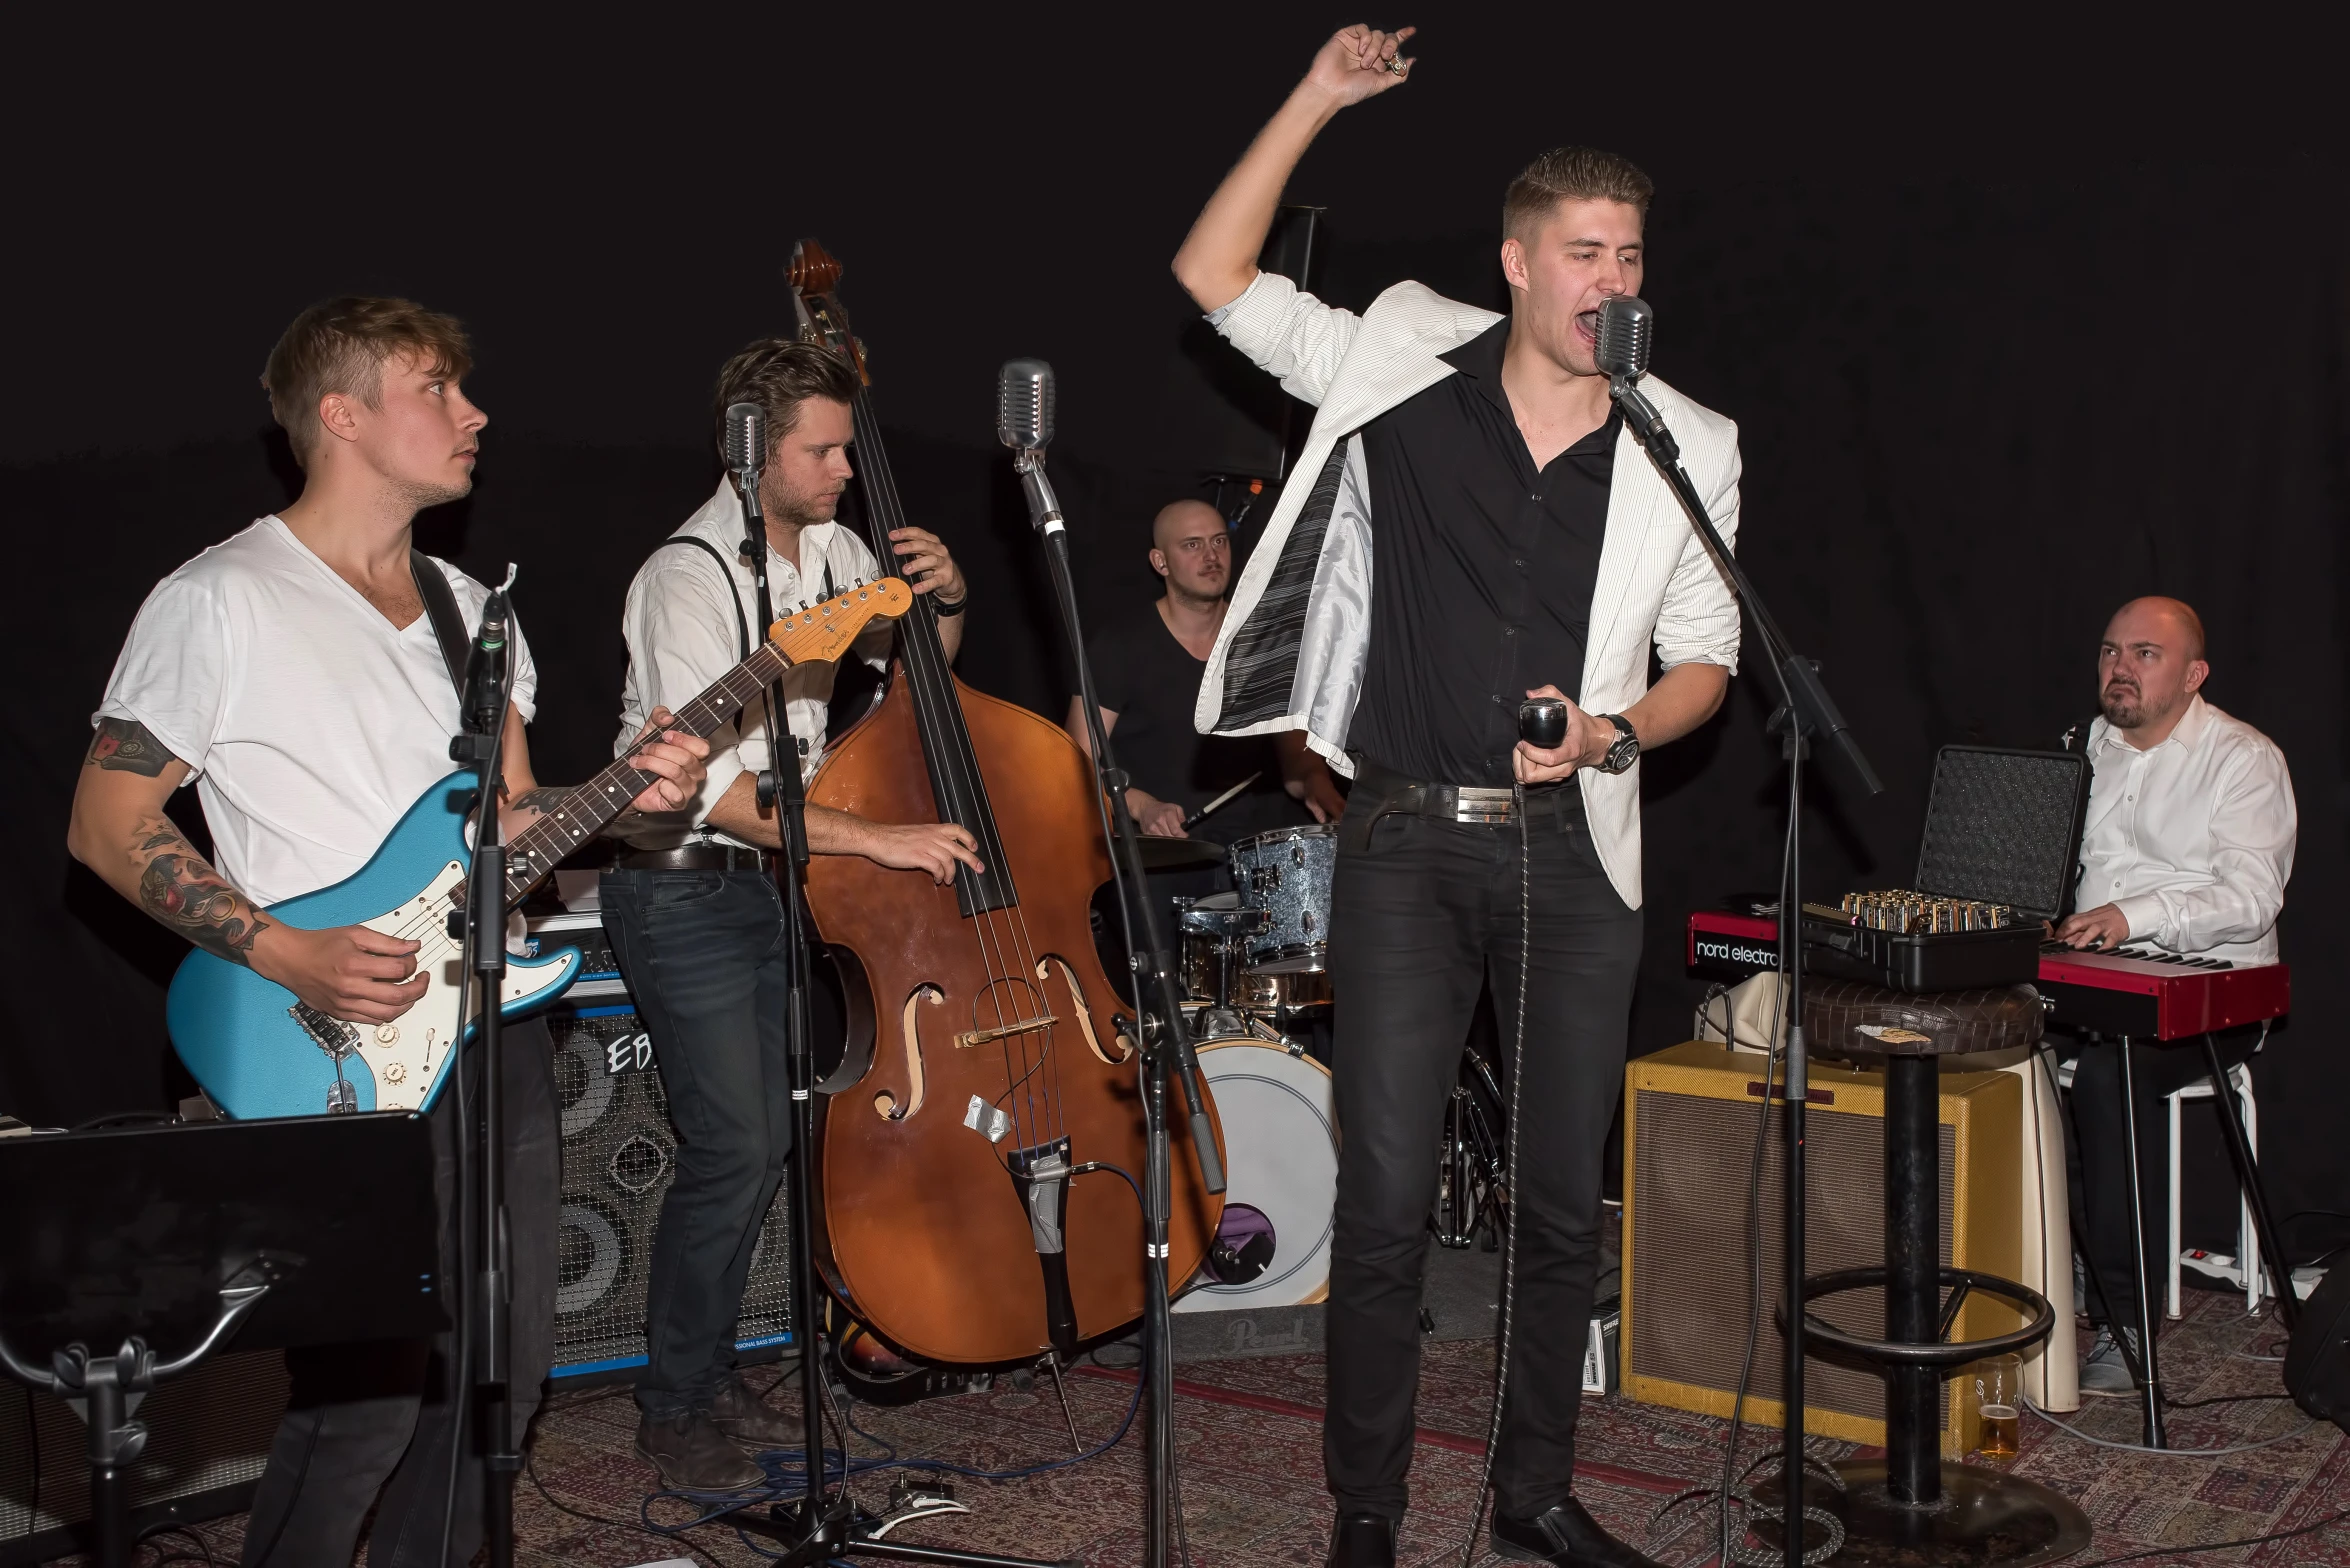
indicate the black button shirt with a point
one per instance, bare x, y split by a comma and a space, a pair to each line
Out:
1482, 572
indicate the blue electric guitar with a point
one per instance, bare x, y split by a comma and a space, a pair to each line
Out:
259, 1050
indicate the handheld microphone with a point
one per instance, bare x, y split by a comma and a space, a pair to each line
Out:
1024, 422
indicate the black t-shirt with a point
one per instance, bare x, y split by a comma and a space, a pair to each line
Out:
1151, 681
1483, 576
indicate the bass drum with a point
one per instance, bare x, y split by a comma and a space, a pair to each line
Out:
1272, 1246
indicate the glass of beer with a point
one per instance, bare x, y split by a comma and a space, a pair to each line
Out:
1998, 1391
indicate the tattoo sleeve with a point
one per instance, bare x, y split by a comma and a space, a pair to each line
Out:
177, 887
127, 746
541, 799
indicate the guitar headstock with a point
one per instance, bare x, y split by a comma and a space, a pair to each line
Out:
815, 278
823, 632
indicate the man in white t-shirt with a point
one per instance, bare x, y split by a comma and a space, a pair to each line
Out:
293, 673
693, 914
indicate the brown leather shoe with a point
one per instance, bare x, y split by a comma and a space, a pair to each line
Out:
755, 1427
694, 1456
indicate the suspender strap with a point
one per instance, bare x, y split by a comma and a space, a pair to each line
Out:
742, 626
440, 607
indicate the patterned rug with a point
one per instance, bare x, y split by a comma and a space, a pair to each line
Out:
1249, 1433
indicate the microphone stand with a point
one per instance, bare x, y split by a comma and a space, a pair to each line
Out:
820, 1525
484, 1330
1805, 711
1165, 1041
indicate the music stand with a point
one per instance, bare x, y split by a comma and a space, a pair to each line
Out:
304, 1230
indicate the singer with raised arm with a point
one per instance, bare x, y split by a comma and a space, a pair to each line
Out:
1478, 530
693, 914
297, 673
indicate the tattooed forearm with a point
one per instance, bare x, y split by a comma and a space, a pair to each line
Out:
544, 798
177, 887
127, 746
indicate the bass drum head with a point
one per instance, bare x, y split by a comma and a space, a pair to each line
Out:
1281, 1171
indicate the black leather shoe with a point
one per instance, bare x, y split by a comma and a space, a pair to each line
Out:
1566, 1535
754, 1427
1362, 1541
694, 1456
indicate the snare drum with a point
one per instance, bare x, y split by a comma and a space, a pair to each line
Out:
1286, 873
1272, 1248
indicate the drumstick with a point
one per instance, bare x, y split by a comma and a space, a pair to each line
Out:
1192, 820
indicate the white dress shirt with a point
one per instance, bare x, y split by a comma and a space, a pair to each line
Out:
2191, 840
683, 633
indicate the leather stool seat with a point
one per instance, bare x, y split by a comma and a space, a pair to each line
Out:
1852, 1019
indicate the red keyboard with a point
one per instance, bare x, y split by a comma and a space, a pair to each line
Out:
2112, 994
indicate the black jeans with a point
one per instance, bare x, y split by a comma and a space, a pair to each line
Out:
1421, 915
361, 1413
703, 954
2100, 1160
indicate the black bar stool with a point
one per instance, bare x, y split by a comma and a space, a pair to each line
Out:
1911, 1507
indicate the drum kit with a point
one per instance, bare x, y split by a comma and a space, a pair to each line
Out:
1255, 965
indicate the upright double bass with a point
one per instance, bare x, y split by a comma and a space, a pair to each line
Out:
965, 1205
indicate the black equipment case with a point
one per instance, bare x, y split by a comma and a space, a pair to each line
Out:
2002, 827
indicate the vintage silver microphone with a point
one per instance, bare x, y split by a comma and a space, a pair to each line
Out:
745, 446
1024, 422
1627, 336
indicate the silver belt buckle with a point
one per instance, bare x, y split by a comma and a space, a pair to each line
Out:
1483, 805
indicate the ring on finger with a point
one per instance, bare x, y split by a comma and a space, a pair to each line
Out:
1394, 64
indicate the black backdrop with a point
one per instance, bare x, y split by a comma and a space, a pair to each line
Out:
1981, 335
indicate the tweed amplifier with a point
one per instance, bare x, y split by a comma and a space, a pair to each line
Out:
619, 1155
1689, 1125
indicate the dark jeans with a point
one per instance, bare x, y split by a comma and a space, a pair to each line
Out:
2100, 1160
703, 953
360, 1413
1420, 916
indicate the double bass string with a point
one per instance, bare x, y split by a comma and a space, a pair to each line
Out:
968, 803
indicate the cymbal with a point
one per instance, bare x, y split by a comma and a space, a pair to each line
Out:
1179, 854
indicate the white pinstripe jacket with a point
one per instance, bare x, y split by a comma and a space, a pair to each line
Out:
1291, 652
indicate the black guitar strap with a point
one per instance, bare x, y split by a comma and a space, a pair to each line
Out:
440, 607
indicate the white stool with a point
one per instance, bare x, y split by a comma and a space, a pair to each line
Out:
2247, 1238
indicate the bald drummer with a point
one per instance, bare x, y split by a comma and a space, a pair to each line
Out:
1146, 671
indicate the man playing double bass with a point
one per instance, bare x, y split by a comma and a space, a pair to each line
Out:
692, 911
1523, 546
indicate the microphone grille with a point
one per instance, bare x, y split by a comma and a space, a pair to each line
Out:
1627, 336
746, 436
1024, 405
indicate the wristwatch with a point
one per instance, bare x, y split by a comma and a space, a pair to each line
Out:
1626, 750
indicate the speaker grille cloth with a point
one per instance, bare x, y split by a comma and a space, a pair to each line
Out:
619, 1156
1690, 1280
2000, 826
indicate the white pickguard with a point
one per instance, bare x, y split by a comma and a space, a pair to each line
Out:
407, 1055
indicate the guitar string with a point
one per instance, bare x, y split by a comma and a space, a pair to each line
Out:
974, 809
889, 509
925, 661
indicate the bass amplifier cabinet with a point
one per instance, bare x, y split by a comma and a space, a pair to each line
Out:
208, 1437
618, 1157
1689, 1127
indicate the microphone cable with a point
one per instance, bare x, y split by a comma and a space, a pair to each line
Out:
1509, 1218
